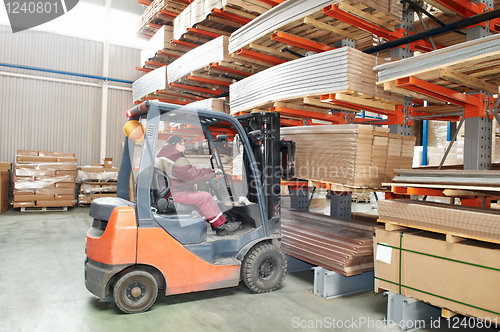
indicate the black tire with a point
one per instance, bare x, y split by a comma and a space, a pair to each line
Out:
135, 292
264, 268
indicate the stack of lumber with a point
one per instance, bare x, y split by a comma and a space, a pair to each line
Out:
463, 221
340, 70
342, 246
468, 66
159, 51
5, 168
350, 155
44, 179
305, 19
158, 13
97, 181
461, 277
207, 16
212, 104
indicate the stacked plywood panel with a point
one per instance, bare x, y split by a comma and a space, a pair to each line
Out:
160, 51
340, 70
96, 181
394, 149
44, 179
212, 104
160, 12
461, 277
4, 185
350, 155
200, 15
338, 245
471, 222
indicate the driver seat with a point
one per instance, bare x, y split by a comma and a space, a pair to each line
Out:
160, 188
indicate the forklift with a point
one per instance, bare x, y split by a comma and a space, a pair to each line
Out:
136, 247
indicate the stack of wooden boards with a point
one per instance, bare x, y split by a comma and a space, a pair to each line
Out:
337, 71
212, 17
44, 179
350, 155
468, 66
5, 168
97, 181
212, 104
159, 51
342, 246
460, 275
158, 13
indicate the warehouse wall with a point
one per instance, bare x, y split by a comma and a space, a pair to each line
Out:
64, 115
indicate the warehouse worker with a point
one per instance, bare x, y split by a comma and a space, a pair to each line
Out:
183, 176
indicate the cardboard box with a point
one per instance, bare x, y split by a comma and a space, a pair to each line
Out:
4, 191
108, 162
23, 204
462, 277
5, 167
34, 197
22, 171
27, 153
56, 191
35, 159
64, 197
55, 154
61, 203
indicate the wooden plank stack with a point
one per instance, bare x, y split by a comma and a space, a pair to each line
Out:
159, 50
97, 181
350, 155
338, 245
153, 15
200, 15
212, 104
44, 179
337, 71
5, 168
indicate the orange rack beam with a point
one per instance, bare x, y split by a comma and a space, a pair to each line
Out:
230, 16
272, 2
167, 13
197, 89
208, 81
161, 92
143, 35
229, 70
169, 54
157, 26
203, 33
300, 42
158, 64
183, 43
334, 118
144, 2
261, 57
146, 70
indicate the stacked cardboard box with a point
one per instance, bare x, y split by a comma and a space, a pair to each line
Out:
44, 179
461, 277
97, 181
4, 185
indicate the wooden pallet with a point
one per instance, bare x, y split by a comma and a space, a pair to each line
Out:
44, 209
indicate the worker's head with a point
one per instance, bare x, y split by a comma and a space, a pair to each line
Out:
177, 142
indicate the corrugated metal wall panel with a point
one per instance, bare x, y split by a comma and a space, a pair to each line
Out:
131, 6
123, 61
119, 102
96, 2
50, 116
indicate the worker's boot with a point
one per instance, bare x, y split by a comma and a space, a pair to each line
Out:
227, 228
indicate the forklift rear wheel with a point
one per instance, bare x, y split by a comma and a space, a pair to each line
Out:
264, 268
135, 292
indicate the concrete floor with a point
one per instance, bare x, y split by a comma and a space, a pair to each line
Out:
42, 289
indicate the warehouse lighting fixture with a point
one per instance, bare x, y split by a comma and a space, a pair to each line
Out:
89, 21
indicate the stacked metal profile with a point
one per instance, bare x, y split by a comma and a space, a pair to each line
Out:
463, 178
338, 70
199, 15
150, 83
473, 56
342, 246
199, 58
466, 221
290, 17
350, 155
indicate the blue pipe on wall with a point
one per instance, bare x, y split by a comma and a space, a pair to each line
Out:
66, 73
425, 135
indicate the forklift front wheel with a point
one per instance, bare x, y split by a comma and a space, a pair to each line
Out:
135, 292
264, 268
